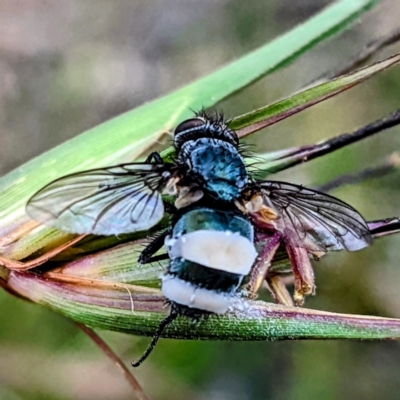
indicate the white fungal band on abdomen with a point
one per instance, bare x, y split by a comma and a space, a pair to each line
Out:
192, 296
221, 250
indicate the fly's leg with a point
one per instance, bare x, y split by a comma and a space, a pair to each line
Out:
302, 270
164, 323
263, 262
147, 255
154, 157
277, 286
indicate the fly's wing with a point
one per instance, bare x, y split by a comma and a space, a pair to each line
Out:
316, 217
106, 201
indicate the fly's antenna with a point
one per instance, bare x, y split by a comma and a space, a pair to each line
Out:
163, 324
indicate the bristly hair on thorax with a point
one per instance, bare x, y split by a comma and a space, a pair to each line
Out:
214, 116
244, 149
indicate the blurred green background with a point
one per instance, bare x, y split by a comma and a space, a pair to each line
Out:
66, 66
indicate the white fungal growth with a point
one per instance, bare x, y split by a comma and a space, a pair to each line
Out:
221, 250
192, 296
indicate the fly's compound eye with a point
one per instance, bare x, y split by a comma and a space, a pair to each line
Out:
186, 131
188, 125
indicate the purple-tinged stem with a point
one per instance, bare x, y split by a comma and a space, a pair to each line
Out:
106, 349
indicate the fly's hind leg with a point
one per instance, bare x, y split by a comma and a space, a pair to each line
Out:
277, 287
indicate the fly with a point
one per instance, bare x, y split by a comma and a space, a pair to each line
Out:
128, 198
217, 204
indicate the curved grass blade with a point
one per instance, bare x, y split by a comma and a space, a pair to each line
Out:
139, 314
118, 264
273, 113
112, 356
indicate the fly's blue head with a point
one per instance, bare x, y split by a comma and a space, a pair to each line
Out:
210, 151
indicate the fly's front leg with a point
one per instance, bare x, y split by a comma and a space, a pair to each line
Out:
147, 255
154, 157
263, 262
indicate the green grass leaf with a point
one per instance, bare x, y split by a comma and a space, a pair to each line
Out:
259, 119
138, 311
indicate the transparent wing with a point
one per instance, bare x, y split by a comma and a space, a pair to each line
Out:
316, 217
107, 201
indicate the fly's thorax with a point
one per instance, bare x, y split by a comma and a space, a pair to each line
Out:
216, 166
210, 251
